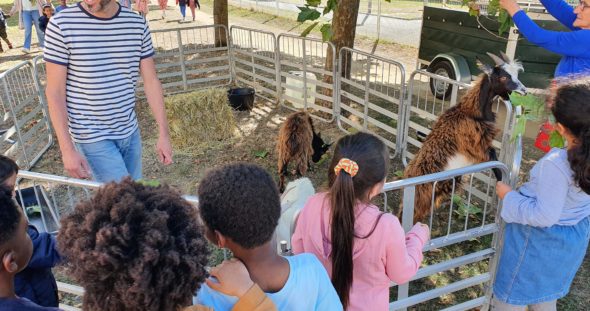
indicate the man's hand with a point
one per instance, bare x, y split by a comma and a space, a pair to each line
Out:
232, 277
502, 189
164, 149
75, 164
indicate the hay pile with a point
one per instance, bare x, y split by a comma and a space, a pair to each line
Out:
200, 118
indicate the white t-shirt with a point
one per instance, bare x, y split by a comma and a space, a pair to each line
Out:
307, 288
27, 5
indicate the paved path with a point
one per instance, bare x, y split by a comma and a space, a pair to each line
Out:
402, 31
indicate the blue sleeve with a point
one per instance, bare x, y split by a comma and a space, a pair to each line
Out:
572, 43
562, 11
545, 209
45, 254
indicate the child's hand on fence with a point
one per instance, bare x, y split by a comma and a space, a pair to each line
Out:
502, 189
232, 278
510, 6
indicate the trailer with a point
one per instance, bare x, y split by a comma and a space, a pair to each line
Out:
451, 40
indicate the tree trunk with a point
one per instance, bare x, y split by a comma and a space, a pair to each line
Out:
220, 18
343, 32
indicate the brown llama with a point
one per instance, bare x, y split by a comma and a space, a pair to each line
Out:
463, 134
298, 142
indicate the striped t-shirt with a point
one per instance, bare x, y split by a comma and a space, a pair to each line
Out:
102, 56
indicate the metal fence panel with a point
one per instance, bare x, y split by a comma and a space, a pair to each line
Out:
25, 133
468, 235
254, 60
371, 96
305, 82
191, 58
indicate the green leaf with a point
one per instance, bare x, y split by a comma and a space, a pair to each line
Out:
556, 140
309, 29
330, 6
323, 159
533, 106
313, 3
399, 173
149, 183
261, 154
493, 7
505, 22
326, 30
307, 14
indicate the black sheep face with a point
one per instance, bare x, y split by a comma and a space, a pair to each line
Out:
503, 76
319, 148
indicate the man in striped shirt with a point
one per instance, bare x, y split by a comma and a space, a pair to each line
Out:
94, 53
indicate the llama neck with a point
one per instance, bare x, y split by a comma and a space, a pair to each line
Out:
477, 103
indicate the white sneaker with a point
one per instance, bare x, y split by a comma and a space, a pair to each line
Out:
26, 51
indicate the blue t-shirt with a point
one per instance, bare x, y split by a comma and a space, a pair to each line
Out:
307, 288
21, 304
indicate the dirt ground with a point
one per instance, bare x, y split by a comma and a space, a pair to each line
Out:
259, 128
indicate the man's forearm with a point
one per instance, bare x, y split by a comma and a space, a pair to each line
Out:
155, 98
59, 119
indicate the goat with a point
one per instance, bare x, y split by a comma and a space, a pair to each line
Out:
298, 142
463, 134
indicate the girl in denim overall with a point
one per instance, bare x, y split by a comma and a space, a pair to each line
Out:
547, 220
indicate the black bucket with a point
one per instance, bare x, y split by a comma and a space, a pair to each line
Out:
241, 98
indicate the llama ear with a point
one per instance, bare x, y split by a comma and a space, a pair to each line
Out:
483, 67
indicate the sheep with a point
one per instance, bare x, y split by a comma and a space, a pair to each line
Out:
463, 134
298, 142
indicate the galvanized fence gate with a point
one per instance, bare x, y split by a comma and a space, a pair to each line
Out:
306, 74
25, 132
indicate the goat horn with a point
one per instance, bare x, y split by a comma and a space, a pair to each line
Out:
505, 57
496, 59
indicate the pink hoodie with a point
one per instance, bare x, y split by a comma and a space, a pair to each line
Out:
386, 255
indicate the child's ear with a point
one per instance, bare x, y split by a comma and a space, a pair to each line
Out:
9, 262
221, 240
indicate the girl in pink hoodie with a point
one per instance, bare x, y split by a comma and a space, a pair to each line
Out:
362, 248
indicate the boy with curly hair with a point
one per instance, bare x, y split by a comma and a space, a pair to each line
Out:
240, 206
16, 249
135, 247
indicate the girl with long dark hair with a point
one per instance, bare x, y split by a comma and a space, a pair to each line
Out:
362, 248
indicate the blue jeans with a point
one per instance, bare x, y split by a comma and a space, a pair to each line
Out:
183, 10
30, 18
112, 160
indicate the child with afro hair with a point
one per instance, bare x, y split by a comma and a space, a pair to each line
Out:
136, 247
16, 249
240, 206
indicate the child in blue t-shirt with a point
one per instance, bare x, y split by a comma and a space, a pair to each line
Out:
36, 282
548, 218
240, 207
16, 249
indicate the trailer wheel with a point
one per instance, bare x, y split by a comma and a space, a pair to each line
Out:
438, 88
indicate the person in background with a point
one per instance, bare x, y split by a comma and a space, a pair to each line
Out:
143, 8
3, 27
16, 249
44, 20
182, 5
29, 12
125, 3
163, 5
362, 248
548, 218
571, 45
36, 282
62, 5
